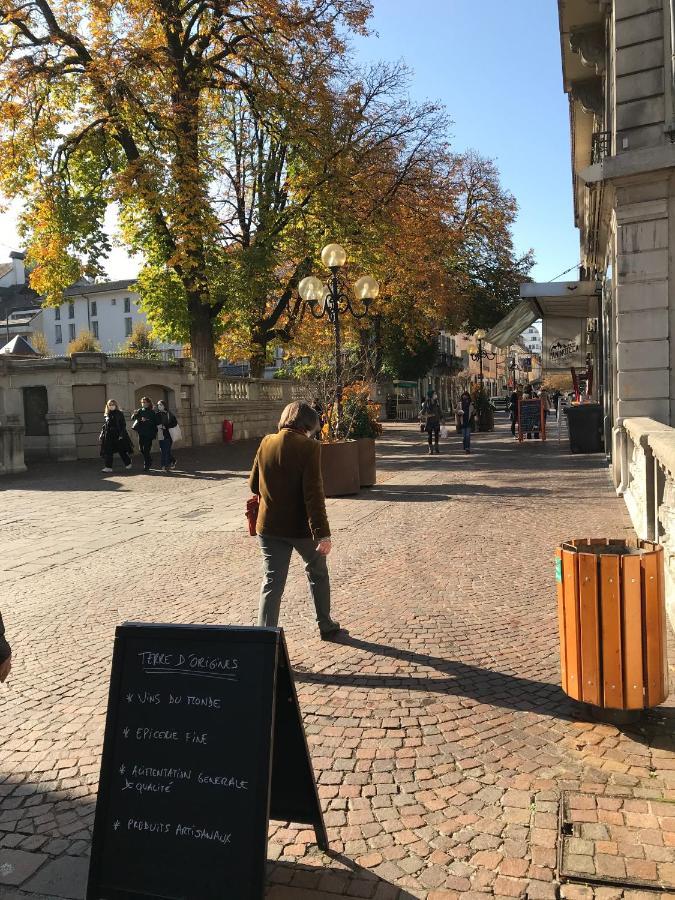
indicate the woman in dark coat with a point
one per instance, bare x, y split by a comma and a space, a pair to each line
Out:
113, 437
165, 421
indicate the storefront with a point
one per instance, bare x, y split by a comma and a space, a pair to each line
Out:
573, 337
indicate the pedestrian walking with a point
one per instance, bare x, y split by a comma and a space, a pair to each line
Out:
513, 406
292, 516
5, 654
144, 423
465, 414
545, 398
529, 394
166, 420
431, 416
114, 437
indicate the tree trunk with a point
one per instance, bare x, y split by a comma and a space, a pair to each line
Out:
201, 337
258, 357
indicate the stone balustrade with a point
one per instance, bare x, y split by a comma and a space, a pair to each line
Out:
646, 453
279, 391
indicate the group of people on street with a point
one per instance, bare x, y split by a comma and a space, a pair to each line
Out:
432, 418
150, 422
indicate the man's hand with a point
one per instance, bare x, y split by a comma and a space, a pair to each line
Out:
325, 546
6, 668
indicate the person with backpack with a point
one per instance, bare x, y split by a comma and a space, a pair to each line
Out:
431, 416
5, 654
144, 423
166, 420
114, 437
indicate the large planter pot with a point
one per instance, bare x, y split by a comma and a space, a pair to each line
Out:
367, 465
340, 468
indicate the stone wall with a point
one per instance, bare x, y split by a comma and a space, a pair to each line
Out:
76, 389
646, 455
640, 83
642, 298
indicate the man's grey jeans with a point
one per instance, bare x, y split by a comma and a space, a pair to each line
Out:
277, 553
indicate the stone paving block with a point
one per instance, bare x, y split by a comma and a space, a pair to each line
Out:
63, 877
440, 739
18, 865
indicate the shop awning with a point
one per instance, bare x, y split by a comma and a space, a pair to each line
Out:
553, 299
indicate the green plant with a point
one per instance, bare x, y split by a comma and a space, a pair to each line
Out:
480, 399
359, 414
85, 342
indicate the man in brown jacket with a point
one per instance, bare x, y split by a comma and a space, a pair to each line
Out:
286, 475
5, 654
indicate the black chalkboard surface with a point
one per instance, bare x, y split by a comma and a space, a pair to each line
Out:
530, 418
203, 736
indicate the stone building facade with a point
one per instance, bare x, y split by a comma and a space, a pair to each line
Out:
619, 74
618, 61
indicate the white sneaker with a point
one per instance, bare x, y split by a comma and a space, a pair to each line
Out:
106, 469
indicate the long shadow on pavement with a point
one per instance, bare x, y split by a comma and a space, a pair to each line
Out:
655, 727
213, 462
391, 492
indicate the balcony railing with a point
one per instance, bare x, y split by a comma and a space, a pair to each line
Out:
601, 146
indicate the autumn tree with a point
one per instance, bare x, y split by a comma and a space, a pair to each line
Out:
486, 269
303, 179
133, 103
441, 249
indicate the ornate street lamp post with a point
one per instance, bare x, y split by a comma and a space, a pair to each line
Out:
478, 354
330, 299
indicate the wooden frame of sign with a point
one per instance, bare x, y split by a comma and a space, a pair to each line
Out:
203, 744
530, 424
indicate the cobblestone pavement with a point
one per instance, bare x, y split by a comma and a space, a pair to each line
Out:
440, 739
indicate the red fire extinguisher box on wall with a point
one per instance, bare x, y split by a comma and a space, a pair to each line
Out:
228, 431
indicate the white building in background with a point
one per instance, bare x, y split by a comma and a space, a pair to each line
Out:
109, 310
532, 339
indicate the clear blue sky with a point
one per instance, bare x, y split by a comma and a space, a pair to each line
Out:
496, 66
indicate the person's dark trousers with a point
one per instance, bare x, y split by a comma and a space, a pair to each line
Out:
146, 446
513, 424
466, 434
277, 553
126, 459
165, 450
434, 432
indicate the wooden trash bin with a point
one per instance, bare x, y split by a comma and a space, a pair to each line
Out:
612, 618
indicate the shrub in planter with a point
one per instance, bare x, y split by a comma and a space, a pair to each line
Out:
361, 418
484, 412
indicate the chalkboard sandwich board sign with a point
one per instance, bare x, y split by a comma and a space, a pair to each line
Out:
531, 418
203, 744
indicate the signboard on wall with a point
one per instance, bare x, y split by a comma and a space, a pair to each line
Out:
564, 343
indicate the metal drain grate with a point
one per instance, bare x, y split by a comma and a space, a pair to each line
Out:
617, 841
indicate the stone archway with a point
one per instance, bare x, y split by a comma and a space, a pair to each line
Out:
155, 392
